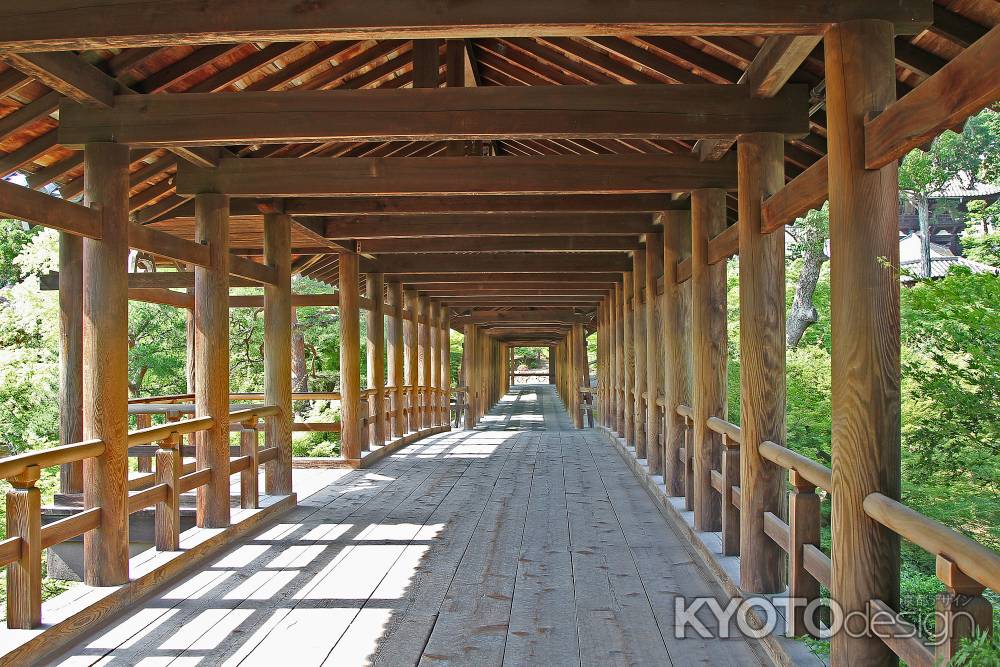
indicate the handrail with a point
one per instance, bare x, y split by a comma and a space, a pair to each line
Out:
972, 558
12, 466
239, 396
144, 436
815, 473
728, 429
251, 413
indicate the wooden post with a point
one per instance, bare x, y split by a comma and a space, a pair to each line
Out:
864, 317
105, 364
434, 357
143, 463
426, 364
620, 360
961, 611
410, 328
710, 352
166, 517
444, 380
350, 374
677, 346
375, 332
211, 314
762, 360
249, 495
628, 357
426, 63
638, 320
470, 381
803, 529
730, 473
278, 351
654, 369
70, 355
24, 575
395, 342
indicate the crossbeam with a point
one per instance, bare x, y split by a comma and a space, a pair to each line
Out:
63, 25
516, 277
500, 243
433, 114
486, 225
290, 177
593, 262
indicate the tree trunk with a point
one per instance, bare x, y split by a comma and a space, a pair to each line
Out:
924, 216
803, 312
300, 372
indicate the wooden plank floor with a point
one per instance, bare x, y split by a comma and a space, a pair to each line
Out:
524, 542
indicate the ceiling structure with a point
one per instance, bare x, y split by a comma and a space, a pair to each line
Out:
513, 254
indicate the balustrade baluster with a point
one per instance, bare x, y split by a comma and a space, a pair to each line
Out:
24, 576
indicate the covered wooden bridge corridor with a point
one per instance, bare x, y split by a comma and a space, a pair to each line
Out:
524, 174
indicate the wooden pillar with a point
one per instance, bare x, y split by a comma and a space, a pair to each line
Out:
375, 333
410, 328
654, 262
638, 320
426, 363
278, 351
426, 63
70, 355
710, 351
350, 353
762, 361
864, 314
395, 354
444, 378
628, 357
211, 315
469, 368
676, 332
620, 360
105, 364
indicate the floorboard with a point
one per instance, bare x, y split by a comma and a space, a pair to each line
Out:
522, 542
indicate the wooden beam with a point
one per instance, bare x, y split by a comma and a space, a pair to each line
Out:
165, 297
251, 270
503, 243
958, 90
452, 205
454, 114
806, 191
38, 208
68, 75
163, 244
594, 262
458, 228
281, 177
540, 316
57, 25
467, 277
724, 245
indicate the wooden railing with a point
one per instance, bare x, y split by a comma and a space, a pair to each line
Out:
965, 567
21, 552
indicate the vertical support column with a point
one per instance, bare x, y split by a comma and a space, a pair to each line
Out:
620, 403
864, 315
762, 360
677, 346
278, 351
426, 63
434, 373
654, 263
638, 320
578, 352
211, 315
410, 327
375, 333
628, 357
426, 363
395, 354
350, 361
444, 379
469, 367
710, 351
70, 356
105, 364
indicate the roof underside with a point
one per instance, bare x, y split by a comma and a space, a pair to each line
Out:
28, 108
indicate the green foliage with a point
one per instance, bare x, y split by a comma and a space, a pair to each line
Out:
984, 248
981, 650
14, 236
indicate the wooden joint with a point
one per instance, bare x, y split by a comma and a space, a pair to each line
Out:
27, 478
800, 483
954, 579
